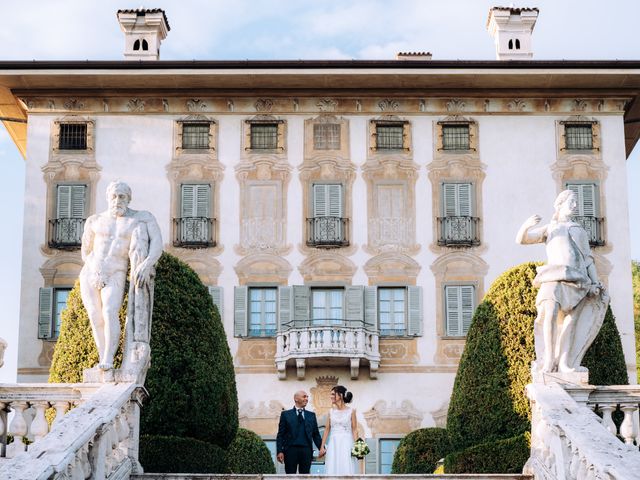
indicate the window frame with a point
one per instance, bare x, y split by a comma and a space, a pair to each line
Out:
195, 120
390, 122
471, 129
73, 120
50, 311
576, 125
179, 219
280, 146
379, 441
579, 121
405, 299
327, 289
264, 332
445, 286
337, 138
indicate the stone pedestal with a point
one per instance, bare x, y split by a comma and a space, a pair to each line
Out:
567, 379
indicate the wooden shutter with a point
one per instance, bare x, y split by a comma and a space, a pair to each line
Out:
371, 460
355, 305
371, 307
285, 303
414, 311
240, 296
464, 199
196, 200
453, 310
320, 201
334, 193
585, 199
457, 199
217, 299
300, 305
45, 312
70, 201
327, 200
466, 303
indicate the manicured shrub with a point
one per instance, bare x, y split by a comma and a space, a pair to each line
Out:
249, 454
605, 358
501, 456
419, 451
168, 454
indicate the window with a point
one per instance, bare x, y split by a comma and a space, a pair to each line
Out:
327, 227
586, 211
459, 307
326, 136
194, 227
327, 306
457, 226
195, 136
578, 136
51, 303
389, 136
392, 311
262, 312
387, 448
456, 199
455, 136
67, 226
72, 136
264, 136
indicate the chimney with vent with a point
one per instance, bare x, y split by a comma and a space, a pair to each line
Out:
413, 56
143, 29
511, 29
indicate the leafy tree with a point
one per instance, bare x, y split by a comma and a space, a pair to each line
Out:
420, 451
249, 454
635, 278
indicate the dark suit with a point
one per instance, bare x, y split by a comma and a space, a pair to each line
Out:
295, 440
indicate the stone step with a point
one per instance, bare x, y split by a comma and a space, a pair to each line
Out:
209, 476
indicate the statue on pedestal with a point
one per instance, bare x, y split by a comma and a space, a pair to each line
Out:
110, 241
571, 301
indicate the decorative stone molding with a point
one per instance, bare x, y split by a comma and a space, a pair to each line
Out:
256, 352
326, 119
391, 418
61, 269
440, 415
281, 139
201, 260
260, 418
263, 268
329, 267
397, 351
457, 267
45, 358
392, 267
320, 394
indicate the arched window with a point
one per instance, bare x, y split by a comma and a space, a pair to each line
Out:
145, 45
510, 44
136, 45
517, 44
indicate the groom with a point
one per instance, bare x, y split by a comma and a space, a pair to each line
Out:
297, 432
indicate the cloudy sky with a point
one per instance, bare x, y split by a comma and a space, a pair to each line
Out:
290, 29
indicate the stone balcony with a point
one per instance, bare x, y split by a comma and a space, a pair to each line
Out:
325, 345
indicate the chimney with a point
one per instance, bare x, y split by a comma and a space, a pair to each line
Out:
511, 29
143, 29
413, 56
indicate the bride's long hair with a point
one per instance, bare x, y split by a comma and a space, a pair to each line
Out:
342, 392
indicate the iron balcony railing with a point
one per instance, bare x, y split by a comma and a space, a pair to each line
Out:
594, 227
194, 232
327, 232
66, 233
459, 231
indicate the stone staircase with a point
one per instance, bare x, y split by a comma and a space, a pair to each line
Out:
206, 476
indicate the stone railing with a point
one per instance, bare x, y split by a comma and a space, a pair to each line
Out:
569, 441
97, 439
304, 344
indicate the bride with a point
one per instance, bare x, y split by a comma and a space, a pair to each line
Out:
342, 426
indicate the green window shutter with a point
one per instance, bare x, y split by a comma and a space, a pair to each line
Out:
188, 197
464, 199
327, 200
45, 312
371, 460
414, 315
240, 295
63, 208
449, 199
284, 307
217, 298
300, 305
196, 200
453, 315
320, 201
335, 200
466, 304
77, 201
457, 199
586, 199
371, 307
355, 305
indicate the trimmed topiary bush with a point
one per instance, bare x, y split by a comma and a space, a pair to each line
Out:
167, 454
419, 451
249, 454
191, 380
488, 402
501, 456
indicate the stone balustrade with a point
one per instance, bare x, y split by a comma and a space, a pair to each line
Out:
569, 441
335, 342
97, 439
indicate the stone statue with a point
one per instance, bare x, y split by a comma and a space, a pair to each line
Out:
571, 301
110, 241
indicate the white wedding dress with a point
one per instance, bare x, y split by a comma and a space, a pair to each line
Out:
339, 460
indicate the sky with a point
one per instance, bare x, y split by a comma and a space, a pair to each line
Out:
288, 29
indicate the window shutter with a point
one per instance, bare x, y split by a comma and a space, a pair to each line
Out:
453, 310
217, 298
63, 209
449, 201
300, 305
355, 305
45, 312
240, 295
466, 301
414, 317
371, 307
320, 201
202, 200
77, 201
585, 199
335, 200
284, 308
188, 196
371, 460
464, 199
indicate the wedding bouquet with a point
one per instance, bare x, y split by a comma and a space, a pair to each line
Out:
360, 449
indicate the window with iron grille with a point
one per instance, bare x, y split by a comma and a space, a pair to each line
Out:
195, 135
578, 136
262, 312
389, 137
264, 136
455, 137
72, 136
326, 136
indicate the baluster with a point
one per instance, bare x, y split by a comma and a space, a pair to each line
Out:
374, 343
627, 427
607, 418
39, 426
61, 409
350, 341
326, 338
304, 340
280, 343
361, 343
18, 429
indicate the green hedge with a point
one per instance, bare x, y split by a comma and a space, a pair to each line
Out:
191, 380
501, 456
420, 451
169, 454
249, 454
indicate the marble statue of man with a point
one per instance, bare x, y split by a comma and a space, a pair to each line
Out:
571, 301
111, 240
